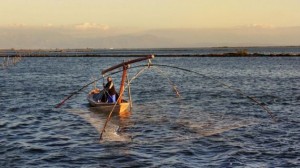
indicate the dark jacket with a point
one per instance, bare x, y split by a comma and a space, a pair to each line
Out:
111, 88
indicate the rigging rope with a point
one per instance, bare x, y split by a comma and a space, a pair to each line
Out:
169, 80
262, 105
253, 99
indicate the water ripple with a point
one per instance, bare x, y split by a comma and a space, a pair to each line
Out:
208, 126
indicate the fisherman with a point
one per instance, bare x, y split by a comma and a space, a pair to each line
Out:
111, 90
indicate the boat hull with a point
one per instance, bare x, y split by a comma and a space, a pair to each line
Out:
108, 107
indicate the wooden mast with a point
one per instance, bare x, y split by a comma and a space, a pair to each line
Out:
122, 85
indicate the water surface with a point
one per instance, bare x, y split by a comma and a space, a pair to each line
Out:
208, 126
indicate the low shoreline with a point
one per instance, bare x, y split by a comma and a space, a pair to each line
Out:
158, 55
172, 52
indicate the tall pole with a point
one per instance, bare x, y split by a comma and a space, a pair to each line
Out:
122, 86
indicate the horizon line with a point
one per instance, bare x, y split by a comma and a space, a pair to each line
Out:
113, 48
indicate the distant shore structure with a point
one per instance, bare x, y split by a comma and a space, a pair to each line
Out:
10, 61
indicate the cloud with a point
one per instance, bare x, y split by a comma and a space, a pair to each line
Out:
91, 26
87, 26
258, 26
48, 25
16, 25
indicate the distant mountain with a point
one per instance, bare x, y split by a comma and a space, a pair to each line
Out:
34, 38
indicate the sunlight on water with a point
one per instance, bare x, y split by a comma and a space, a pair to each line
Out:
213, 127
97, 121
112, 131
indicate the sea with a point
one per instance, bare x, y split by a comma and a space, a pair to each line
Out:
205, 124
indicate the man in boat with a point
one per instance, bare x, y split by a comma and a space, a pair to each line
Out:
111, 90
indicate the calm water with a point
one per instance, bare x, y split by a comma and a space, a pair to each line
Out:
208, 126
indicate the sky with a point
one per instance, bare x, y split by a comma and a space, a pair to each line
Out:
148, 23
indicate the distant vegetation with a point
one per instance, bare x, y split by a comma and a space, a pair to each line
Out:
243, 52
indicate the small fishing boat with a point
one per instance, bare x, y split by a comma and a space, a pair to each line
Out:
96, 98
107, 107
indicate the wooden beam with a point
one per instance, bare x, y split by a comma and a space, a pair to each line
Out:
127, 63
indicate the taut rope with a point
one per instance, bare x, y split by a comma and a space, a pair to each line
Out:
169, 80
264, 107
253, 99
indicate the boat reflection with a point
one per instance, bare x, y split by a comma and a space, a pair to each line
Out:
122, 115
